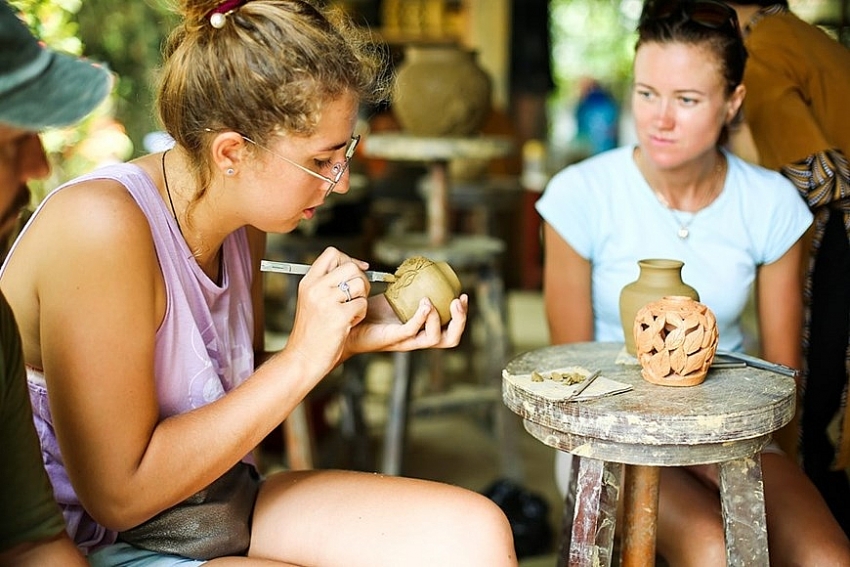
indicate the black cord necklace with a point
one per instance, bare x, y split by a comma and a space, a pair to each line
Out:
174, 214
168, 192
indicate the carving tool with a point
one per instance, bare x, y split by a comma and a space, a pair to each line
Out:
583, 386
300, 269
759, 363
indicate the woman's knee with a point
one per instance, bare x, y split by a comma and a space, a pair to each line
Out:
481, 527
487, 516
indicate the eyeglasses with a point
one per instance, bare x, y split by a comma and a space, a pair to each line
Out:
709, 13
338, 169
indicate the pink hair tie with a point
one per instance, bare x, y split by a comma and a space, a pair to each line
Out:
218, 16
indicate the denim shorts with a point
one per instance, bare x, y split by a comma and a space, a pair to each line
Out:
125, 555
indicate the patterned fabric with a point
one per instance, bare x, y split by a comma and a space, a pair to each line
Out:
823, 179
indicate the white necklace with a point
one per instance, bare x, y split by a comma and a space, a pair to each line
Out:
684, 230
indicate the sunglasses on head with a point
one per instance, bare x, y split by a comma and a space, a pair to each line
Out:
708, 13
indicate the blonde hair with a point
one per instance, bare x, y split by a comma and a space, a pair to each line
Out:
269, 69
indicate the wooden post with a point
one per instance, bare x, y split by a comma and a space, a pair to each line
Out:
640, 515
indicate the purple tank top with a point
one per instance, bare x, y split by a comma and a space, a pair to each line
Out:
204, 346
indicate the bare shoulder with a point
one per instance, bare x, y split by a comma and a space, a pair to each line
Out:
93, 208
92, 219
88, 247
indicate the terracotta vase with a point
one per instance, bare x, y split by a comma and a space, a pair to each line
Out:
420, 277
676, 338
440, 90
657, 278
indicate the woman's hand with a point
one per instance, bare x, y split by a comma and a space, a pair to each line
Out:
332, 299
381, 329
331, 325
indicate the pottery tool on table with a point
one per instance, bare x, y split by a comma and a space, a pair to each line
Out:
720, 362
300, 269
583, 386
759, 363
560, 385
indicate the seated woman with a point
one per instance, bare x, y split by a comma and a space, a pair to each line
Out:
134, 288
678, 194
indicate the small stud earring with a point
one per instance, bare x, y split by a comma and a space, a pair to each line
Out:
230, 171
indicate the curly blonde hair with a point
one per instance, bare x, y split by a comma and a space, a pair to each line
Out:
270, 68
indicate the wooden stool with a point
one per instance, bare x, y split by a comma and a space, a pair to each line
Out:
726, 420
469, 256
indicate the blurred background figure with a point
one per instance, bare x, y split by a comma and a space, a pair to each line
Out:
797, 80
597, 117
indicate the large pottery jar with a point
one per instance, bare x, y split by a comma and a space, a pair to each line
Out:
676, 339
419, 277
441, 91
657, 278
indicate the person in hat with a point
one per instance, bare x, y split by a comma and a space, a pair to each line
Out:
39, 88
145, 341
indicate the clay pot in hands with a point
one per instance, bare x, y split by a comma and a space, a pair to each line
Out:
419, 277
675, 338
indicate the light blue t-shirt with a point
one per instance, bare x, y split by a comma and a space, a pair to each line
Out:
604, 209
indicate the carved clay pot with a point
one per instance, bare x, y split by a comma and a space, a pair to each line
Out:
657, 278
440, 90
676, 338
420, 277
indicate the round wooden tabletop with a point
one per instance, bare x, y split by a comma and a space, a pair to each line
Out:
730, 415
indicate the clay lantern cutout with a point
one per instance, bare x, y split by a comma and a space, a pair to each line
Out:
419, 277
675, 340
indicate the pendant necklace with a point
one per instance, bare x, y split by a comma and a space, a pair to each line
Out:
168, 192
684, 227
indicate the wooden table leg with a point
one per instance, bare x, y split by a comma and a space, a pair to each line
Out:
396, 428
597, 493
744, 521
640, 516
566, 528
298, 438
490, 300
437, 204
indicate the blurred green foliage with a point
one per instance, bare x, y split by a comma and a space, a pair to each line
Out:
129, 36
126, 36
53, 21
592, 38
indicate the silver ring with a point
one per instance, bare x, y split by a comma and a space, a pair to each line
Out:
343, 286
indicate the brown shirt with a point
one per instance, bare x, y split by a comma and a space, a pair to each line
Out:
798, 85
